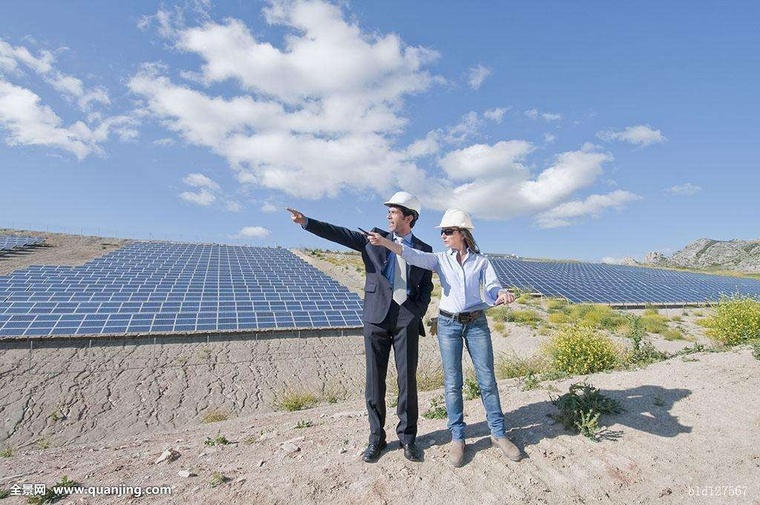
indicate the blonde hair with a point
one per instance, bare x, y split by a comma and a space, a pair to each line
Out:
469, 240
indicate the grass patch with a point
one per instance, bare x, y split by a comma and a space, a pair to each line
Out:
218, 478
293, 400
303, 423
437, 409
511, 366
554, 304
673, 334
6, 453
215, 416
429, 376
653, 322
4, 493
499, 327
527, 317
579, 409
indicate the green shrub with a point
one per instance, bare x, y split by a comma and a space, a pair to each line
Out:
580, 409
50, 495
218, 440
437, 409
471, 388
500, 313
736, 320
672, 334
499, 327
581, 350
643, 352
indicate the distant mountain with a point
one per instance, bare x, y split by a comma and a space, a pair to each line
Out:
708, 254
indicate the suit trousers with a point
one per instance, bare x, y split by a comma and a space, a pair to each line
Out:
400, 331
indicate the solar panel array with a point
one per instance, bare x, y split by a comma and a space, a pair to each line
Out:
161, 287
11, 242
618, 284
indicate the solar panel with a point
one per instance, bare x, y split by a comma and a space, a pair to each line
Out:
11, 242
161, 287
618, 284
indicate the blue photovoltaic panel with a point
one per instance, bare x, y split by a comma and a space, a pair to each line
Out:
11, 242
618, 284
160, 287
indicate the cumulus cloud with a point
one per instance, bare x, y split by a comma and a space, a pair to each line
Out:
322, 112
640, 135
252, 232
311, 118
27, 120
477, 75
686, 189
207, 193
570, 213
269, 208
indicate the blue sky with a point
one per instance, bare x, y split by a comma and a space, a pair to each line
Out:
578, 130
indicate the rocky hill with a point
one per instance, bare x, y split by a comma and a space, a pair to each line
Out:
707, 254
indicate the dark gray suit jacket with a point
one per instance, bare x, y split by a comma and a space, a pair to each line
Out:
378, 291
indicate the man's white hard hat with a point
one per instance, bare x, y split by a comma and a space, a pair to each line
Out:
456, 218
405, 199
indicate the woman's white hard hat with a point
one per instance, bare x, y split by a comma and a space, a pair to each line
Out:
456, 218
405, 199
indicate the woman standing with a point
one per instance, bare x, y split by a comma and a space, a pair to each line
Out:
464, 275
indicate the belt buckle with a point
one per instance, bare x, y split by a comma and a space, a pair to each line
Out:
466, 318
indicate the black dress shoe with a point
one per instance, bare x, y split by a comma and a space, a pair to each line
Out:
412, 452
373, 452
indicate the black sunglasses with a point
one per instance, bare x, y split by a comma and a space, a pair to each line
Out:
448, 231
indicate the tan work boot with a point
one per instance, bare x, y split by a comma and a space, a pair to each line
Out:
456, 453
509, 449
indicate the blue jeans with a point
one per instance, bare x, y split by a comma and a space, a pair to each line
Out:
452, 336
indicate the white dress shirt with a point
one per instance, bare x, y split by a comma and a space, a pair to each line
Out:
473, 285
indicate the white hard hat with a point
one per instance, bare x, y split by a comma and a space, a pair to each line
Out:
405, 199
456, 218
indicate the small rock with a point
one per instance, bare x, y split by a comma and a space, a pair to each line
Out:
240, 480
167, 455
343, 450
261, 462
665, 492
290, 447
185, 474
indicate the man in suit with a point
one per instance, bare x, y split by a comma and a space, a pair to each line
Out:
396, 297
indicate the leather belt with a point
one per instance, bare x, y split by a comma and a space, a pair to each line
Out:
462, 317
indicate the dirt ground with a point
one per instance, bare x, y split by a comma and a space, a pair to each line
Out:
102, 415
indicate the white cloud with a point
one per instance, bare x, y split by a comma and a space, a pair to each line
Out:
686, 189
495, 114
269, 208
252, 232
549, 138
546, 116
312, 118
570, 213
467, 128
322, 112
483, 160
200, 181
28, 121
476, 75
204, 197
233, 206
641, 135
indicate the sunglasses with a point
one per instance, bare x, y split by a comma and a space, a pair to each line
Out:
448, 231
